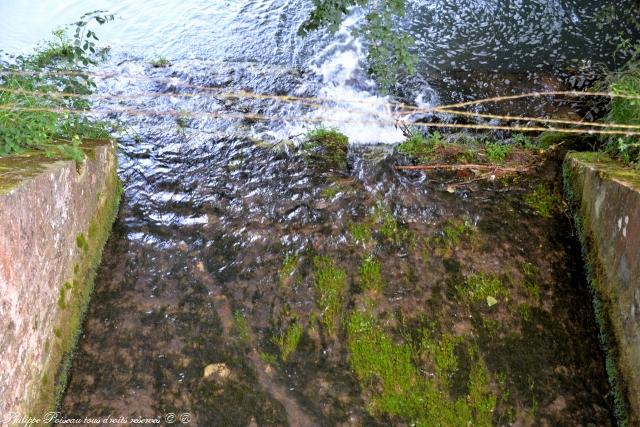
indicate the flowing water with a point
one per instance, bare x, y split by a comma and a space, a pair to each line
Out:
214, 254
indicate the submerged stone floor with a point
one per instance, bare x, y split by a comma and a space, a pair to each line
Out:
246, 287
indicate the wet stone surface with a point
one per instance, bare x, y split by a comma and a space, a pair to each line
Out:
280, 275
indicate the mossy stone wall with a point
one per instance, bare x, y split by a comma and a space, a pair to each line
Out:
605, 198
55, 217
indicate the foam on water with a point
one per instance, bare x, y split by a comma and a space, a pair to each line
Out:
355, 107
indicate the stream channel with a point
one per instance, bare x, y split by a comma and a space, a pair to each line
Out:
244, 285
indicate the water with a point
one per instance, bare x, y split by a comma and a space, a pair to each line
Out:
213, 207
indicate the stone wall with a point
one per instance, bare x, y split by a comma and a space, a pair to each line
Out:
606, 201
55, 217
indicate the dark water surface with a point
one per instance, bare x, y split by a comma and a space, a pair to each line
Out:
214, 254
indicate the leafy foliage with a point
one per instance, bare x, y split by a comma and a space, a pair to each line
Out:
625, 111
37, 91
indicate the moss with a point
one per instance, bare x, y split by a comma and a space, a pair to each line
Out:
242, 328
547, 139
397, 387
330, 191
81, 242
331, 285
62, 298
326, 148
529, 280
68, 328
609, 167
455, 230
482, 287
390, 227
481, 398
288, 340
93, 229
441, 353
491, 327
543, 201
360, 233
418, 147
267, 358
369, 271
160, 62
288, 268
19, 168
453, 233
496, 152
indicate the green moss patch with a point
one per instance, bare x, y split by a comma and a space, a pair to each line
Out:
369, 272
331, 285
411, 383
483, 287
543, 201
326, 148
288, 340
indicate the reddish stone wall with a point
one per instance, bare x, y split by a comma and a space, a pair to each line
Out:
54, 220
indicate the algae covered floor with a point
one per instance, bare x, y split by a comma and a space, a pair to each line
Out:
248, 287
